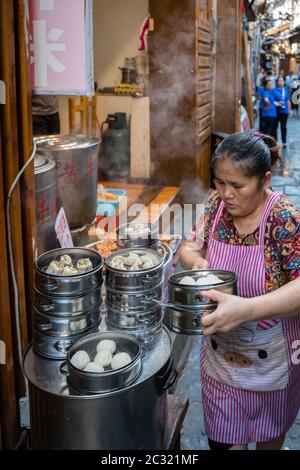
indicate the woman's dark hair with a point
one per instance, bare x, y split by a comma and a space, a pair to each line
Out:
253, 153
266, 81
279, 79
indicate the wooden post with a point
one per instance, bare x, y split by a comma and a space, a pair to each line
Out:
248, 81
228, 66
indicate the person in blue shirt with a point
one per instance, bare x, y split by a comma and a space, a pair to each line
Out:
283, 106
260, 92
269, 112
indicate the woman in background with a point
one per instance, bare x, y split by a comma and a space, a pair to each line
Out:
283, 106
269, 113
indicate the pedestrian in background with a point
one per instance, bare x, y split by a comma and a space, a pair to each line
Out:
269, 113
283, 106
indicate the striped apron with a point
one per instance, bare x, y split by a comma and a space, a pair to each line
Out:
250, 379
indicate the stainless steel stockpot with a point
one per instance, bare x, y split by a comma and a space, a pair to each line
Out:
110, 380
63, 327
68, 305
49, 284
140, 280
190, 295
186, 321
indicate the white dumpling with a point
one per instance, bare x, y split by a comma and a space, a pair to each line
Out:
188, 281
80, 359
66, 260
116, 261
55, 268
93, 367
120, 360
107, 345
214, 279
69, 271
203, 281
135, 267
133, 259
103, 358
84, 265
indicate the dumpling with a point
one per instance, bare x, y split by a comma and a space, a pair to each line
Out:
84, 265
120, 360
107, 345
135, 267
103, 358
214, 279
66, 260
188, 281
80, 359
69, 271
203, 281
116, 261
93, 367
56, 268
133, 259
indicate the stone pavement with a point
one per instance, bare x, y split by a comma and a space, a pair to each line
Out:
287, 180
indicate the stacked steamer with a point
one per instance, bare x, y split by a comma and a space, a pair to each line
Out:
135, 284
67, 300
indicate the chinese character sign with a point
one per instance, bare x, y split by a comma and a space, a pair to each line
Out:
61, 46
63, 231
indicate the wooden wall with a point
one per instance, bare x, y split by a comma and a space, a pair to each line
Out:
15, 148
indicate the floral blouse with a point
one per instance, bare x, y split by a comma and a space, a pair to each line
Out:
282, 238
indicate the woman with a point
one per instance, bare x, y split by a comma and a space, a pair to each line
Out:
250, 380
269, 112
283, 106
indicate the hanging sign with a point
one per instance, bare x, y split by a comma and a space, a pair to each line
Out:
63, 231
61, 47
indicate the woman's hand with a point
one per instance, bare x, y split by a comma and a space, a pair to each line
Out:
200, 263
231, 313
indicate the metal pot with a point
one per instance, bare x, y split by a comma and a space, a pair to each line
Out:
125, 240
187, 322
46, 210
147, 336
134, 280
54, 347
68, 285
132, 418
63, 327
110, 380
76, 159
67, 306
188, 296
133, 321
133, 301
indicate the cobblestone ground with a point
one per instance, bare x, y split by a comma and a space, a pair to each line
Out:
287, 180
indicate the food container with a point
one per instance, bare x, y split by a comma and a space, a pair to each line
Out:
94, 383
134, 301
133, 320
140, 280
49, 284
187, 295
135, 239
67, 306
186, 321
66, 326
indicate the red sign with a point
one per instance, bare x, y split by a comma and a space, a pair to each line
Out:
63, 231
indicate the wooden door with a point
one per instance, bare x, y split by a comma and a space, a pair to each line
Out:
204, 88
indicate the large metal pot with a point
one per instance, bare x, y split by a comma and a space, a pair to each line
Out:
55, 347
76, 158
63, 327
68, 285
189, 296
87, 383
133, 418
136, 239
133, 301
46, 209
134, 280
133, 320
67, 306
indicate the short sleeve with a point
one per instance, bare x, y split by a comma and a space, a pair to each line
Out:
286, 232
205, 217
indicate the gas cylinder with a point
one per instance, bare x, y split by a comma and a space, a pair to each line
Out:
116, 147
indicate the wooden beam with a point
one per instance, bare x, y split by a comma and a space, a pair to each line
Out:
228, 66
248, 80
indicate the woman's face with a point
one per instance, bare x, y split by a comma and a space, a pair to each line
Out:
280, 82
268, 86
241, 194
